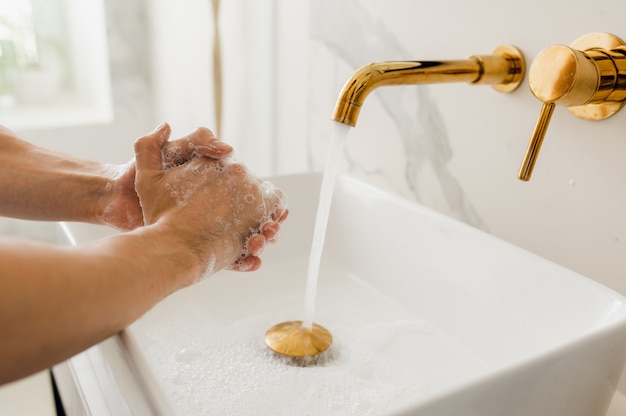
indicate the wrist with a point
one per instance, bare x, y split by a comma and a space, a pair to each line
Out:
116, 202
171, 256
207, 252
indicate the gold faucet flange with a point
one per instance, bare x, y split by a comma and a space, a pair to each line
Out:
591, 42
516, 68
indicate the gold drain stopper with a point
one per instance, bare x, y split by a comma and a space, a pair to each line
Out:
294, 340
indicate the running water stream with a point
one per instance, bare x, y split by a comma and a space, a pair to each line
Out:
338, 139
199, 352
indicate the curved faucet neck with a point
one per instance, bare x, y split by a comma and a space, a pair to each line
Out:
504, 69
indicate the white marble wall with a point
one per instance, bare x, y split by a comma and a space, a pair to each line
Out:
457, 148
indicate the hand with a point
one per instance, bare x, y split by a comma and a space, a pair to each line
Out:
121, 207
220, 211
267, 233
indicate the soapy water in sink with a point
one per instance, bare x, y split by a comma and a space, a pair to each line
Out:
382, 356
237, 374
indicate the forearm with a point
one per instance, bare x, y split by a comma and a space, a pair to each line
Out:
57, 301
44, 185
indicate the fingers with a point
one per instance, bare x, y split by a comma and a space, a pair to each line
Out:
280, 215
216, 150
251, 201
255, 244
206, 144
270, 231
251, 262
202, 142
247, 264
148, 156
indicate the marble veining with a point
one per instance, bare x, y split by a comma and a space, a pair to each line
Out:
414, 114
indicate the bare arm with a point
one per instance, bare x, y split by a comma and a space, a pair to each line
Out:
200, 216
57, 301
40, 184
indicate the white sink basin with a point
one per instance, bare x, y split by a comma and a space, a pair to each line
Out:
429, 317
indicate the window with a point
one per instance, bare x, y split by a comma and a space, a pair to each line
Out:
54, 68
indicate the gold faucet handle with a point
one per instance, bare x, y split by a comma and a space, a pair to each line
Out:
586, 77
559, 74
535, 141
562, 75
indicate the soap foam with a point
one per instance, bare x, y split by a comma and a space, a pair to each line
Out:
231, 371
228, 175
210, 267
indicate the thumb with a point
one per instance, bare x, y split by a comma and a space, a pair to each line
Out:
148, 155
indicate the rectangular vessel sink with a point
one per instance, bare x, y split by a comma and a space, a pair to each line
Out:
429, 317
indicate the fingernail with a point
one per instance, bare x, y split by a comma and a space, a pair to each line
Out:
159, 127
221, 147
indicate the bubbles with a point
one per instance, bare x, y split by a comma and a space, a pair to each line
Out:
215, 166
269, 189
172, 156
180, 191
229, 370
244, 202
186, 355
248, 199
210, 267
201, 169
242, 266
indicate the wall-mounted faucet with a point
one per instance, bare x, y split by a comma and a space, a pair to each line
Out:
503, 69
589, 78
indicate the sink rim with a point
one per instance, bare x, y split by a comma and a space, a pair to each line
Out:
590, 336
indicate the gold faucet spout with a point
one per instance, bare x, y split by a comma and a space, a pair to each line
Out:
504, 69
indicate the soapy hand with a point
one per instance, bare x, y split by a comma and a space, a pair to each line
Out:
222, 212
121, 208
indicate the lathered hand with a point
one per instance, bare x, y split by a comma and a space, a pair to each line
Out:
221, 212
120, 206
